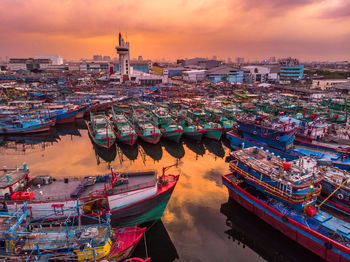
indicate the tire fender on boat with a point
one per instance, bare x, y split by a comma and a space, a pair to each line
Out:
340, 196
277, 138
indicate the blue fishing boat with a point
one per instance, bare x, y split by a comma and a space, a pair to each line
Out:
24, 126
284, 194
275, 133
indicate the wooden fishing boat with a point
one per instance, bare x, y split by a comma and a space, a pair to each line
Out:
100, 130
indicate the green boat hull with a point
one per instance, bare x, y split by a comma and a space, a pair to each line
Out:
213, 133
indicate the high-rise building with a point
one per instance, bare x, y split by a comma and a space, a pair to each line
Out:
124, 55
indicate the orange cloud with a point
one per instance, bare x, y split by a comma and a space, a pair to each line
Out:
308, 29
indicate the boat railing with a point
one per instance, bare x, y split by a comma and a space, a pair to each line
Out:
287, 196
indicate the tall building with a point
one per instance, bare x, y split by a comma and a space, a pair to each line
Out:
291, 69
124, 56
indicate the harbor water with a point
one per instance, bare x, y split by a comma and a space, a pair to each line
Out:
199, 223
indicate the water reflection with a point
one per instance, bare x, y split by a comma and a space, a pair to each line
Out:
196, 146
176, 150
106, 154
131, 152
214, 147
192, 221
22, 144
154, 151
156, 244
247, 230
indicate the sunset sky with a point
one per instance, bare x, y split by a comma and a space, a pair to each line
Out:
171, 29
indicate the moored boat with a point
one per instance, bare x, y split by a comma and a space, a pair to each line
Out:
100, 130
22, 126
123, 129
132, 198
283, 194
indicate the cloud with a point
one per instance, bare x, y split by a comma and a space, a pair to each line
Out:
340, 11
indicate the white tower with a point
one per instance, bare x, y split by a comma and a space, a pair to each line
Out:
124, 56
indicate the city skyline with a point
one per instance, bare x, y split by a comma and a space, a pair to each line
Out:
306, 29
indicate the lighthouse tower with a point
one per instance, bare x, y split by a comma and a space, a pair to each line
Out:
124, 57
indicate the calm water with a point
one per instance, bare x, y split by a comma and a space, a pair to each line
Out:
199, 224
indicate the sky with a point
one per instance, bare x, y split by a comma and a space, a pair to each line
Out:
311, 30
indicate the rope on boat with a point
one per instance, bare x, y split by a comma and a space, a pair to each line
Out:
144, 239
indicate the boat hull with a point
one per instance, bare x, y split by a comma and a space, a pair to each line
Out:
104, 142
45, 126
152, 139
128, 140
174, 135
213, 133
67, 117
146, 210
315, 242
196, 135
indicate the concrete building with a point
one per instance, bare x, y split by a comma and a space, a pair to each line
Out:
261, 73
96, 66
97, 58
326, 84
124, 56
56, 59
106, 58
16, 64
290, 70
239, 60
194, 76
225, 74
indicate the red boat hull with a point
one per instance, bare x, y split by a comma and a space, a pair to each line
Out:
306, 237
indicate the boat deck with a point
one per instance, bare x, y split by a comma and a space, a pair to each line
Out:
62, 189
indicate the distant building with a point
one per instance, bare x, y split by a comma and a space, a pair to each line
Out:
194, 76
140, 58
272, 59
261, 73
225, 74
16, 64
97, 58
291, 69
239, 60
97, 66
56, 59
107, 58
326, 84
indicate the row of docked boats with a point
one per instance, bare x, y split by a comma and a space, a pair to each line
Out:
62, 216
128, 123
24, 120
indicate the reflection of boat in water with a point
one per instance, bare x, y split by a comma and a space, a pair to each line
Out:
226, 142
80, 124
214, 147
196, 146
153, 150
173, 148
29, 142
68, 129
131, 152
159, 244
269, 243
107, 154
